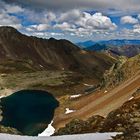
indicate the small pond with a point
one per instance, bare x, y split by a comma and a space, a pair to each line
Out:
28, 110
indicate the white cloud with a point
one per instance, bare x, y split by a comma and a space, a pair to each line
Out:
46, 34
129, 20
51, 16
101, 22
7, 20
39, 27
71, 15
65, 26
13, 8
55, 5
62, 26
136, 28
76, 23
139, 16
83, 23
42, 27
56, 34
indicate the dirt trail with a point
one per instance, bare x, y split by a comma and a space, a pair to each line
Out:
100, 103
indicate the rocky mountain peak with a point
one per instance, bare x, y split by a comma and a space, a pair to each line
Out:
7, 30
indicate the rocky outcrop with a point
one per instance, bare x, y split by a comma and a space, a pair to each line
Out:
127, 120
9, 130
93, 124
136, 93
121, 71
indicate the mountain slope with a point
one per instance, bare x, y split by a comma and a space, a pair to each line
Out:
127, 50
118, 86
48, 54
85, 44
124, 50
97, 47
121, 71
125, 119
100, 102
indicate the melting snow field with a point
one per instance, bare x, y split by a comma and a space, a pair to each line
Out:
94, 136
48, 131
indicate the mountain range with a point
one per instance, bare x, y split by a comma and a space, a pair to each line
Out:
128, 48
115, 42
21, 52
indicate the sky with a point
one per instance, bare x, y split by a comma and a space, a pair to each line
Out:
75, 20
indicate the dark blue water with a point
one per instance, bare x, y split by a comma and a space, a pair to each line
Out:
25, 110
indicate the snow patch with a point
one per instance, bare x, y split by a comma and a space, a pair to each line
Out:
75, 96
68, 111
131, 98
93, 136
2, 97
88, 85
41, 66
48, 131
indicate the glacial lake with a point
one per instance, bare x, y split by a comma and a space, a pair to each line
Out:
28, 110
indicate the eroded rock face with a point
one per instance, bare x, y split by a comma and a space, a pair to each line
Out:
121, 71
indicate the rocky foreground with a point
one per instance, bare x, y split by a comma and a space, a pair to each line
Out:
125, 119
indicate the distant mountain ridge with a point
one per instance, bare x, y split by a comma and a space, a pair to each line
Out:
86, 44
115, 42
127, 48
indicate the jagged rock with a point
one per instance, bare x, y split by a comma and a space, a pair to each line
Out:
77, 126
125, 119
9, 130
121, 71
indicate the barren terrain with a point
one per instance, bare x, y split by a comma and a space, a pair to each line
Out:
101, 102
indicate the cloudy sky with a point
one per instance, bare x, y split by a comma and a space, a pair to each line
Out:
76, 20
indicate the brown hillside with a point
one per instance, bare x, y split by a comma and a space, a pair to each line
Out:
47, 54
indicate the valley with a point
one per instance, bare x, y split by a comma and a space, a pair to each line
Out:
86, 83
69, 70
